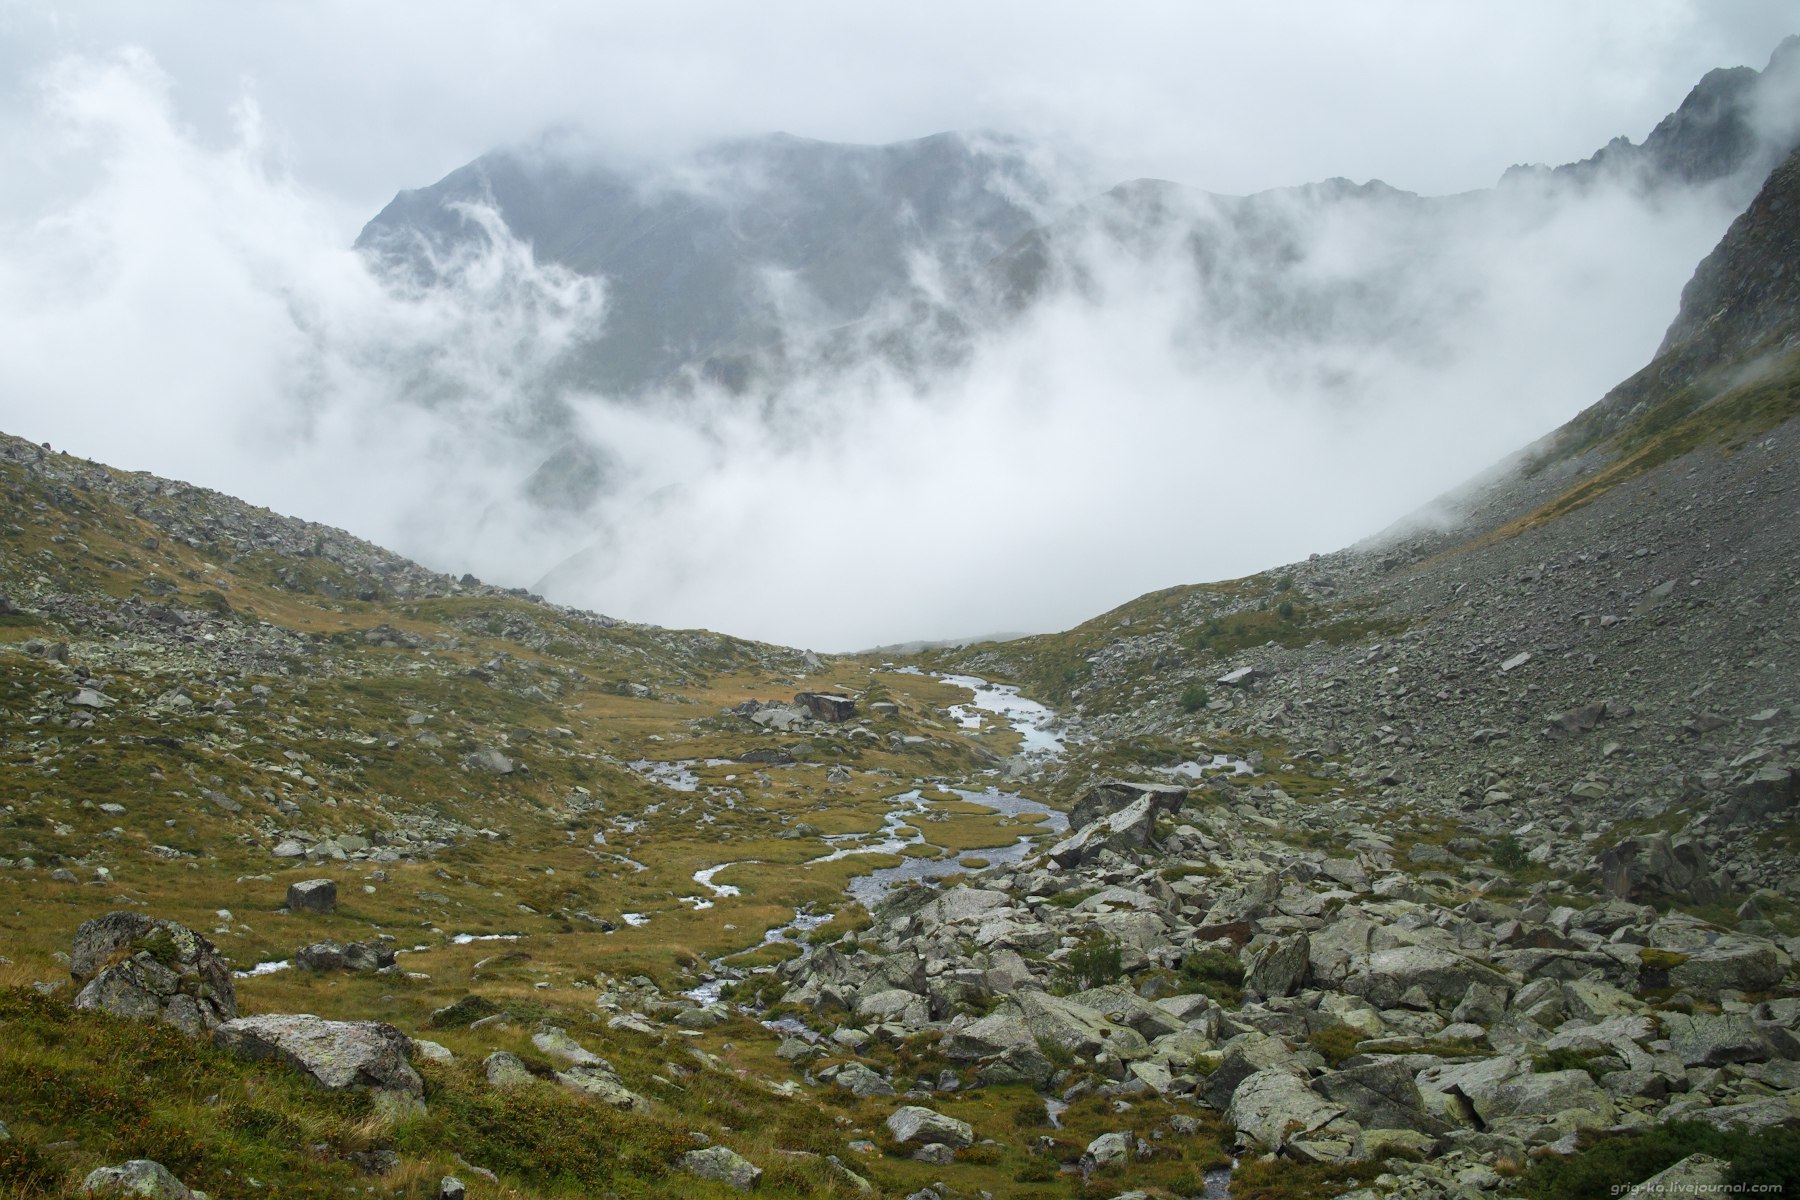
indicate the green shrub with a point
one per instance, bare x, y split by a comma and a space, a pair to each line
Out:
1194, 698
1509, 854
1335, 1043
1216, 973
1096, 961
1565, 1058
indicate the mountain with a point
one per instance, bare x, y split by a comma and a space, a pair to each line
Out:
736, 251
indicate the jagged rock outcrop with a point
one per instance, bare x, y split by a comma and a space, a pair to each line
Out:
137, 966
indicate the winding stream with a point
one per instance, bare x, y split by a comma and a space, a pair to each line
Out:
1029, 718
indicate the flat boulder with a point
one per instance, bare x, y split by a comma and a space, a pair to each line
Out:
337, 1054
1738, 963
137, 966
1695, 1175
1386, 976
913, 1123
1715, 1040
600, 1083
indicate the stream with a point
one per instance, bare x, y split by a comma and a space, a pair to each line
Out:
1028, 717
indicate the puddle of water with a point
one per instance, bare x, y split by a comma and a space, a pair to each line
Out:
1218, 762
263, 968
635, 919
463, 939
675, 775
1054, 1109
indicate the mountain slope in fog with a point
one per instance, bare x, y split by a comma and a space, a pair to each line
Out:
724, 254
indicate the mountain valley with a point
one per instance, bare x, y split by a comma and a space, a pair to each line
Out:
1459, 862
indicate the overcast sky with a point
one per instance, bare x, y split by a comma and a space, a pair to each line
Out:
183, 181
367, 98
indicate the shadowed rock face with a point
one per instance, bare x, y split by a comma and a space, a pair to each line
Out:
137, 966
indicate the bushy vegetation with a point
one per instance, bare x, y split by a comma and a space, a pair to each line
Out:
1761, 1163
1510, 854
1335, 1043
1097, 961
1214, 972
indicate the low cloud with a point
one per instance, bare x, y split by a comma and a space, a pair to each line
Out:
189, 308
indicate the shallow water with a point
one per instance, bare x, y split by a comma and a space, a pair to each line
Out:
1031, 719
1197, 770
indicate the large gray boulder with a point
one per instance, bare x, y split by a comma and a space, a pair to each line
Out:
329, 955
827, 706
1125, 832
337, 1054
1695, 1175
312, 895
1569, 1097
1075, 1027
1104, 799
896, 1006
1379, 1095
1384, 977
1278, 968
1715, 1040
1245, 1056
1657, 864
505, 1069
722, 1165
913, 1123
993, 1034
136, 966
140, 1177
1272, 1108
1740, 963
